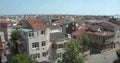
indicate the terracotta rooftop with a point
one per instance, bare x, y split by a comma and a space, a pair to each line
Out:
76, 33
107, 33
37, 24
93, 26
112, 24
60, 22
3, 21
18, 26
63, 21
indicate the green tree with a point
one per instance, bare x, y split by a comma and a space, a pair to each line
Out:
85, 40
118, 55
116, 61
72, 54
85, 43
23, 58
15, 35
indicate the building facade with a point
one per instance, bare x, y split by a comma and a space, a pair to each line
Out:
36, 39
58, 41
101, 41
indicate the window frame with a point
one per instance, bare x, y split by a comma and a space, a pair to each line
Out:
35, 56
35, 45
31, 34
43, 43
44, 54
42, 32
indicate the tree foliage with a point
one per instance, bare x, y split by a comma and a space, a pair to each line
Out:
116, 61
118, 53
15, 35
22, 58
85, 40
72, 54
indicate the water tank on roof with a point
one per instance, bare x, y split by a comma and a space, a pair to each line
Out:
69, 36
54, 24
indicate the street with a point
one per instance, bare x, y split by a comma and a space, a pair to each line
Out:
107, 57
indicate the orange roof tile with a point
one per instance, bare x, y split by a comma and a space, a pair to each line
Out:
37, 24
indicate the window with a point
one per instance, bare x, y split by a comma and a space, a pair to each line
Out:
44, 54
42, 32
31, 34
43, 43
59, 46
53, 46
35, 45
117, 36
36, 55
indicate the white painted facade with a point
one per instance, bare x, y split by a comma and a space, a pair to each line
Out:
34, 45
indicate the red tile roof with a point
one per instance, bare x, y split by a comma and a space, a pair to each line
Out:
3, 21
77, 33
108, 33
18, 26
37, 24
60, 22
93, 26
112, 24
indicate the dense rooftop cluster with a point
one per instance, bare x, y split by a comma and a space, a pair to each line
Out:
45, 36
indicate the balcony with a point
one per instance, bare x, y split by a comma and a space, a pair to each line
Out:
60, 50
109, 41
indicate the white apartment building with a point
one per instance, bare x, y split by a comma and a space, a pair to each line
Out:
36, 39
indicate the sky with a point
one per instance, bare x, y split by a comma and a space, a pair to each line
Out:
76, 7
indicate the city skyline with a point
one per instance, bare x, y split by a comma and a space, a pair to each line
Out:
76, 7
